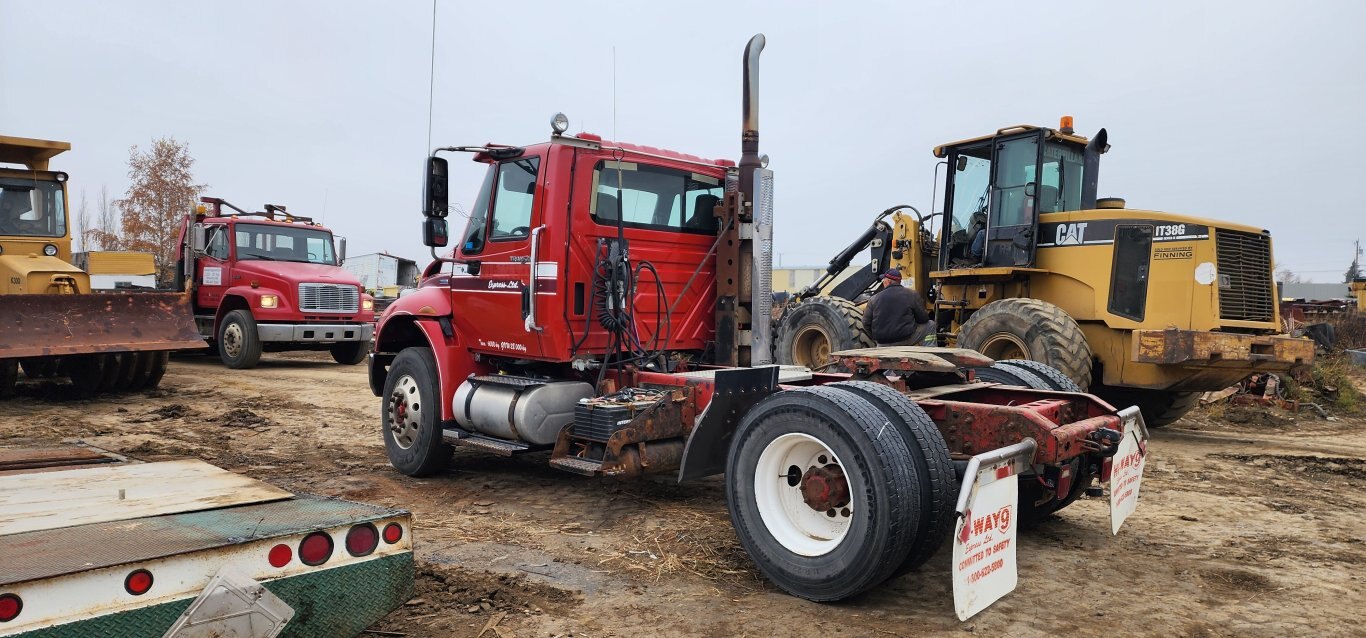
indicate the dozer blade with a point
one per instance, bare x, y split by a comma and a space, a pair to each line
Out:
46, 325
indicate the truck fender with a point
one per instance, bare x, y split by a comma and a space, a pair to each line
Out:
244, 297
734, 392
423, 319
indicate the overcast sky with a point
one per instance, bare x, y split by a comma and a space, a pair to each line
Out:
1216, 109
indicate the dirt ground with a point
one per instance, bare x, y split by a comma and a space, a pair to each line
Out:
1249, 526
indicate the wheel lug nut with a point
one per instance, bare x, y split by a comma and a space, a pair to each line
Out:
830, 513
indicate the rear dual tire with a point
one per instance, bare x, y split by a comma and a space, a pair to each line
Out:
894, 511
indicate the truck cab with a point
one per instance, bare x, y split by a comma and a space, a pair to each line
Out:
271, 281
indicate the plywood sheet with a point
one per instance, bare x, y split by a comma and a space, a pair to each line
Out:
52, 500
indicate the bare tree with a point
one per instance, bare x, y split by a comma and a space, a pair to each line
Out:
104, 235
1286, 276
83, 222
161, 193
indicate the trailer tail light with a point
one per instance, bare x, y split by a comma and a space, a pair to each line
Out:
1065, 482
1105, 470
393, 533
10, 606
280, 555
315, 549
138, 582
362, 539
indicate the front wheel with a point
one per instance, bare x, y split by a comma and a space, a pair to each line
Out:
349, 353
824, 506
239, 345
410, 415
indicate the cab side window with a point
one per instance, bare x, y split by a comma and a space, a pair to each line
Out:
503, 209
218, 243
655, 197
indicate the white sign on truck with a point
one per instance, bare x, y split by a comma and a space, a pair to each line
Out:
1126, 469
984, 567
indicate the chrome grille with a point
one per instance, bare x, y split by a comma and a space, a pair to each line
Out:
328, 298
1244, 267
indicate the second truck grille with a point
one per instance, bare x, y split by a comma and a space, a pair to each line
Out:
1244, 267
328, 298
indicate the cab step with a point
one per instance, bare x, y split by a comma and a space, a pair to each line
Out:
586, 467
501, 447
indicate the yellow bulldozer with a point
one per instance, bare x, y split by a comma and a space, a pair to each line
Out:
1141, 307
51, 324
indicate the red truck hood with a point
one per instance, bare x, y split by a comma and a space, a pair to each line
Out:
296, 272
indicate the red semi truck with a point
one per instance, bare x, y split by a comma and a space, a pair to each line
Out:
271, 281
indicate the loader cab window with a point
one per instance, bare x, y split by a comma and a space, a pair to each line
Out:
1061, 178
31, 208
968, 206
654, 197
503, 209
1012, 197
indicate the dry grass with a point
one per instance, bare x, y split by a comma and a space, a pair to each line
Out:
673, 538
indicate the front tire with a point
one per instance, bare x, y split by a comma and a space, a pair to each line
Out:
349, 353
410, 415
824, 506
1029, 329
809, 331
239, 344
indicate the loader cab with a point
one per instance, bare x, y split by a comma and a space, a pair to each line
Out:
997, 186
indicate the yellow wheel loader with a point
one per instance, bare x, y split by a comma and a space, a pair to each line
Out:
50, 322
1143, 307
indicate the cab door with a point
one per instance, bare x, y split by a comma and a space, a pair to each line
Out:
493, 297
1012, 221
213, 270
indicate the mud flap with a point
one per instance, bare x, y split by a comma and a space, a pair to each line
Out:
48, 325
1126, 469
984, 567
233, 605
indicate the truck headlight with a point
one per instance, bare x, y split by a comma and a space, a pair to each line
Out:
269, 301
50, 250
367, 304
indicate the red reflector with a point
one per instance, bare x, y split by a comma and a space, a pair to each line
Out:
362, 539
138, 582
1065, 482
10, 606
393, 533
1105, 471
315, 549
1004, 471
280, 555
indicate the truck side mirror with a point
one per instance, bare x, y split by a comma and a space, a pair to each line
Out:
434, 232
436, 197
341, 250
199, 237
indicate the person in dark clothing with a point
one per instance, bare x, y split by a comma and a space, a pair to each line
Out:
896, 315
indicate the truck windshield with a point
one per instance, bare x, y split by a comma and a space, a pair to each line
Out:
284, 243
31, 208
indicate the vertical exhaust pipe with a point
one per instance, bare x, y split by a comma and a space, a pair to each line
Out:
749, 134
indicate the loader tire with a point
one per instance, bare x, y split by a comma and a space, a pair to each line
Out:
39, 367
1011, 375
157, 368
1036, 377
239, 344
410, 415
9, 376
1029, 329
785, 450
929, 452
809, 331
109, 373
86, 371
349, 353
1055, 379
141, 371
1159, 407
128, 368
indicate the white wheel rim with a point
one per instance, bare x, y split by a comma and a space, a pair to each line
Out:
405, 412
232, 339
794, 524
